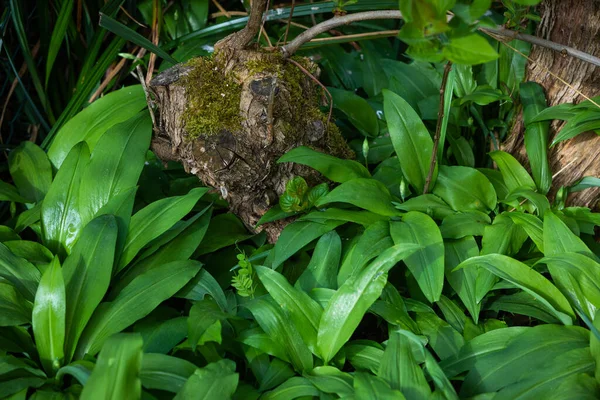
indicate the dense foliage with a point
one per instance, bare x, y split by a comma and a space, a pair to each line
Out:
123, 278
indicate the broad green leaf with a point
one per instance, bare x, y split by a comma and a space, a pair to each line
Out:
352, 300
504, 236
61, 220
10, 193
411, 140
484, 95
203, 314
374, 240
558, 238
297, 235
154, 219
584, 183
223, 230
302, 310
465, 189
275, 323
439, 378
361, 217
322, 270
532, 225
48, 318
429, 204
117, 372
163, 372
29, 219
459, 225
115, 164
31, 171
162, 336
367, 386
22, 373
471, 49
478, 350
515, 176
526, 279
217, 380
364, 355
134, 302
539, 201
400, 369
357, 109
331, 380
14, 309
333, 168
87, 271
427, 263
366, 193
91, 123
31, 251
202, 284
23, 275
443, 338
258, 339
525, 354
536, 134
578, 277
524, 304
579, 124
293, 388
463, 281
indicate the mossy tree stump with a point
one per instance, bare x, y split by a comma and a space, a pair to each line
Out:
229, 118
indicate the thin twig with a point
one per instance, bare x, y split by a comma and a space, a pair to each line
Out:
565, 50
155, 38
220, 7
311, 76
109, 77
131, 17
438, 128
289, 22
230, 13
149, 100
290, 48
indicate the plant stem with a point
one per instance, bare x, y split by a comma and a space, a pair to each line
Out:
240, 39
290, 48
438, 128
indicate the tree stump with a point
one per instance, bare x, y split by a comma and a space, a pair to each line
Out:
574, 23
229, 118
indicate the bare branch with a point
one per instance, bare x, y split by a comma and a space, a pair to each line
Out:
566, 50
289, 49
241, 38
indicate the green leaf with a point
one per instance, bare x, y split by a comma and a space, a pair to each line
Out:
61, 220
116, 374
440, 380
275, 323
321, 272
31, 171
335, 169
536, 134
162, 336
484, 95
16, 375
465, 189
302, 310
14, 309
217, 380
134, 302
471, 223
23, 275
93, 121
400, 369
375, 239
429, 204
331, 380
513, 173
223, 230
558, 238
463, 281
293, 388
352, 300
203, 314
364, 355
48, 318
58, 34
357, 109
365, 218
539, 201
526, 279
163, 372
154, 219
297, 235
115, 165
367, 386
471, 50
525, 354
410, 138
524, 304
10, 193
584, 183
123, 31
366, 193
427, 263
443, 338
88, 270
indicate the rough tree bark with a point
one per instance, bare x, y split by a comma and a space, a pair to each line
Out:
273, 108
574, 23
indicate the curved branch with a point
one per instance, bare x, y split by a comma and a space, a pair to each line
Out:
240, 39
290, 48
566, 50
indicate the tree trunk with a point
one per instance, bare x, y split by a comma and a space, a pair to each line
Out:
574, 23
